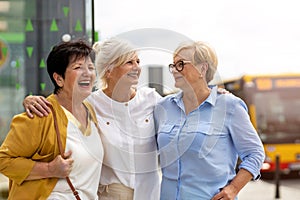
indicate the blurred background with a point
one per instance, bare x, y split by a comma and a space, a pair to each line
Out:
257, 43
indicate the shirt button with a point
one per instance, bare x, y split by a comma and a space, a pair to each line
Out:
146, 120
126, 104
107, 123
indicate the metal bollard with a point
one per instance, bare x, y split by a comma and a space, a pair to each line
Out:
277, 177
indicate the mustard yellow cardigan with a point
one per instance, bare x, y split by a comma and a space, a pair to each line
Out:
28, 141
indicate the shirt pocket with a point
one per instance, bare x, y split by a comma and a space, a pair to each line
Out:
208, 136
145, 126
166, 137
167, 142
169, 129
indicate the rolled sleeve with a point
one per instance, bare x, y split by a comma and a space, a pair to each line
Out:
246, 140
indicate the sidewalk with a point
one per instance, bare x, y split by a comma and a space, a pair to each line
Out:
261, 190
3, 187
254, 190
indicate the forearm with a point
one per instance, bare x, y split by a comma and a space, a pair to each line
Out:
231, 190
57, 168
40, 170
241, 179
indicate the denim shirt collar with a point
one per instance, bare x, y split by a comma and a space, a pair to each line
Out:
211, 99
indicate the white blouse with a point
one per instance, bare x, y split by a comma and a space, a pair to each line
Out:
87, 152
129, 142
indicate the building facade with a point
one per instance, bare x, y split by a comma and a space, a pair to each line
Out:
28, 30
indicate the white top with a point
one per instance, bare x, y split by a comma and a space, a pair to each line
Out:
128, 137
87, 152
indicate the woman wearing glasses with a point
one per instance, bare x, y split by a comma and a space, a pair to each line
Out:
201, 133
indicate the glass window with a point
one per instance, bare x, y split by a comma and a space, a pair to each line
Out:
277, 115
28, 30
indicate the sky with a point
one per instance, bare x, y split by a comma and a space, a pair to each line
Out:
250, 37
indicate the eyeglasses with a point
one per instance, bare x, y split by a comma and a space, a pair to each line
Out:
178, 66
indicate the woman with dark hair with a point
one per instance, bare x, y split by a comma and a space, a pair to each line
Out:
33, 161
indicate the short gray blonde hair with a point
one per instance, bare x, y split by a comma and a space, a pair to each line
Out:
112, 53
203, 52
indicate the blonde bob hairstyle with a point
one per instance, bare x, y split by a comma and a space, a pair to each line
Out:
110, 54
203, 53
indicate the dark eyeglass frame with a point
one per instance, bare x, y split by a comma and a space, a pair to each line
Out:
179, 66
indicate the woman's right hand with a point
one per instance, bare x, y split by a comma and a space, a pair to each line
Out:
36, 105
61, 167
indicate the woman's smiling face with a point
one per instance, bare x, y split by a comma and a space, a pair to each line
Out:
128, 73
79, 78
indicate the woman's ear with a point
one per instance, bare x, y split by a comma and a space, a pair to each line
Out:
58, 79
107, 74
204, 68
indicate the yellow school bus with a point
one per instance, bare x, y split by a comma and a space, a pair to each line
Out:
274, 107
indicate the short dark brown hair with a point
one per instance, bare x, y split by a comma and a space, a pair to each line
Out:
64, 53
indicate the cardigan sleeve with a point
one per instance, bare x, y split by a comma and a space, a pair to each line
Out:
22, 142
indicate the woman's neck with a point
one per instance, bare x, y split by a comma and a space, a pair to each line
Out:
194, 96
74, 106
120, 94
71, 104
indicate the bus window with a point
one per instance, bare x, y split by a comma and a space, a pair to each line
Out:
277, 115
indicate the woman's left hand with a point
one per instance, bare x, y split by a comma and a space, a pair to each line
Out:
227, 193
36, 105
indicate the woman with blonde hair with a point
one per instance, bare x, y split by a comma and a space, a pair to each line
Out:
125, 117
201, 133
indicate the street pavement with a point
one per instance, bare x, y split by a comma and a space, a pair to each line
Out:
266, 190
3, 187
254, 190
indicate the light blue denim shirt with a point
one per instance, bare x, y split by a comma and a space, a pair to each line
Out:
199, 151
